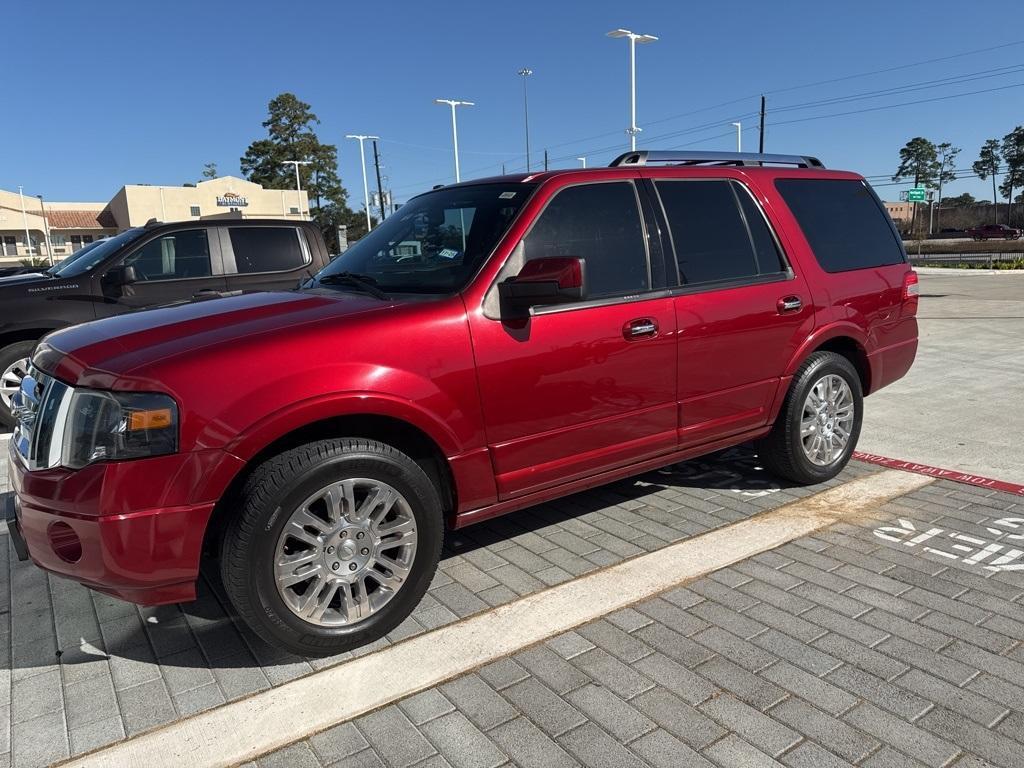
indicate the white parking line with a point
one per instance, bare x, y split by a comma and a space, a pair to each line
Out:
245, 729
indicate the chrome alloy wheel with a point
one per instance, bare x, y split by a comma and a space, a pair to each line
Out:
10, 380
345, 552
827, 420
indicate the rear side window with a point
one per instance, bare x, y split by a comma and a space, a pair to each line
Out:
844, 223
718, 231
601, 224
266, 249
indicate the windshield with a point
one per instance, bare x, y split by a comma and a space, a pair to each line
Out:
435, 242
88, 257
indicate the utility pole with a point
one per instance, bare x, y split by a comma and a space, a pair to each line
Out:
760, 144
366, 187
46, 230
380, 187
633, 38
525, 72
739, 136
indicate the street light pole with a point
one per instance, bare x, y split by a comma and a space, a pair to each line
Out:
366, 187
583, 160
453, 103
634, 38
298, 184
24, 221
46, 230
739, 136
525, 72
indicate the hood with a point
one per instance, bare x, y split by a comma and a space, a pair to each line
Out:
99, 353
30, 277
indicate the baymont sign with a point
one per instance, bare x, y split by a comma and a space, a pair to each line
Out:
232, 200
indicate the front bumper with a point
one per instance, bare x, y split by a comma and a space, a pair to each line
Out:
140, 523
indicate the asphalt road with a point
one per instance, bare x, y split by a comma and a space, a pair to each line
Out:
962, 404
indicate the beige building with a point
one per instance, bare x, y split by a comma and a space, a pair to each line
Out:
31, 228
901, 214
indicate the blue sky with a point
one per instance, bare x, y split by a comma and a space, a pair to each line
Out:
101, 94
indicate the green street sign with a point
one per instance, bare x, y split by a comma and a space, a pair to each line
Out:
916, 195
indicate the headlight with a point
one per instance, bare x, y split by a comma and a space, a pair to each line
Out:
111, 426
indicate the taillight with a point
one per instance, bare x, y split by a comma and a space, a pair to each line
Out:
911, 287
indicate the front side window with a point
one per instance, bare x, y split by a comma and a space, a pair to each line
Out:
599, 223
174, 256
266, 249
718, 232
436, 242
844, 223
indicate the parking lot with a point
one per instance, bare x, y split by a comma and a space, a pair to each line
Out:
888, 633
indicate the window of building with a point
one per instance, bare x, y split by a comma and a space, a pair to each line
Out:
174, 256
843, 222
718, 231
86, 239
266, 249
10, 245
58, 239
193, 210
601, 224
293, 210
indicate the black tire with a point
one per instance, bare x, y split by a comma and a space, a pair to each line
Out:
268, 498
781, 451
9, 355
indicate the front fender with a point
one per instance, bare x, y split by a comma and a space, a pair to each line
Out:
364, 403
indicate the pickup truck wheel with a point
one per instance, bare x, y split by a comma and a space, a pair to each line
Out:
818, 426
14, 360
334, 545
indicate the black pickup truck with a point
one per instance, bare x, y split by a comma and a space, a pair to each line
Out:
145, 267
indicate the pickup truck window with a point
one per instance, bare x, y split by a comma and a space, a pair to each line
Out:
174, 256
266, 249
435, 242
85, 259
601, 224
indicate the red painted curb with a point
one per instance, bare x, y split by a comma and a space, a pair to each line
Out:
944, 474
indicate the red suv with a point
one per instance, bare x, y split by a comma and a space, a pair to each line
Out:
994, 232
493, 345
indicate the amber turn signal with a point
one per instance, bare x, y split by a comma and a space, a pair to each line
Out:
155, 419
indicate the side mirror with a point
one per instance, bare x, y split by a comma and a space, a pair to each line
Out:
120, 276
553, 280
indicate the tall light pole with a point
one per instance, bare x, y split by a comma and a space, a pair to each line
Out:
24, 221
298, 183
634, 38
739, 136
583, 161
366, 187
453, 103
525, 73
46, 230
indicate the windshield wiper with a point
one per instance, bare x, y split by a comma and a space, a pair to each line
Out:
362, 282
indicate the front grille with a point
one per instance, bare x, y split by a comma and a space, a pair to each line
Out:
40, 407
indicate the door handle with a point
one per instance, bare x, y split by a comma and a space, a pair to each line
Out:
206, 293
641, 328
789, 304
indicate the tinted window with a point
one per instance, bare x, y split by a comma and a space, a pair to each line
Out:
769, 259
436, 241
266, 249
601, 224
710, 235
843, 221
174, 256
87, 258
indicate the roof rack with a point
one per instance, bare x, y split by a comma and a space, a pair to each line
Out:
648, 157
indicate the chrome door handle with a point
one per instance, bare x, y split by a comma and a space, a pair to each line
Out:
789, 304
641, 328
